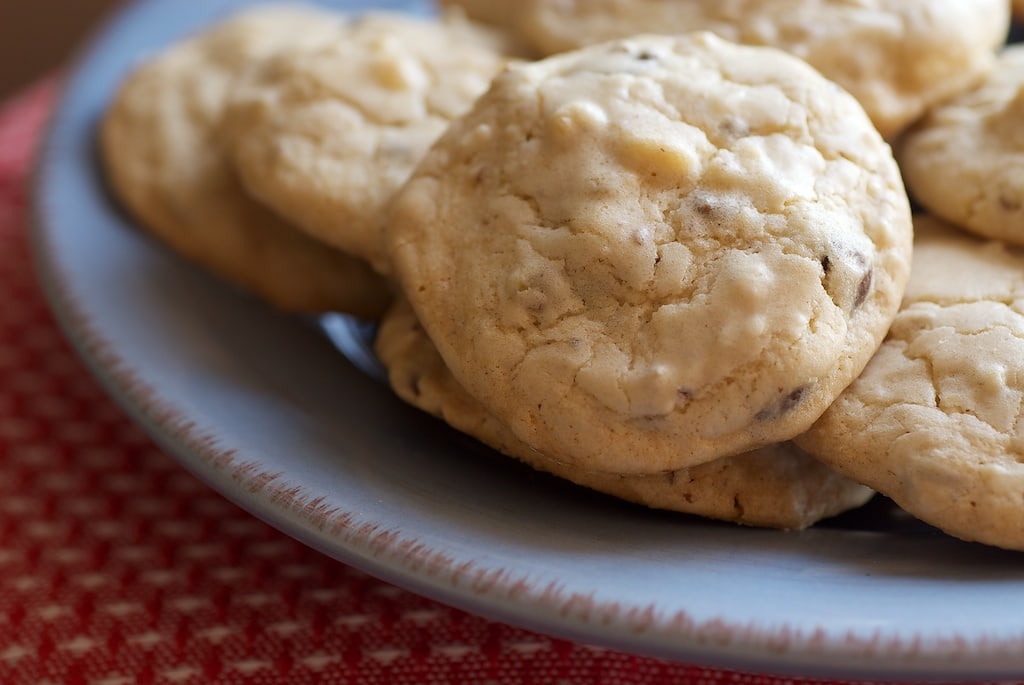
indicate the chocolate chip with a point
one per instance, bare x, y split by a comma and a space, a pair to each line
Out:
847, 276
783, 406
645, 55
864, 288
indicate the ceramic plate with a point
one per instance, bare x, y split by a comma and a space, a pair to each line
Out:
265, 409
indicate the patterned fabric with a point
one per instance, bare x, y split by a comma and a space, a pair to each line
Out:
118, 567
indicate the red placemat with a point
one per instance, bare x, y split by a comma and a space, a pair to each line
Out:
117, 566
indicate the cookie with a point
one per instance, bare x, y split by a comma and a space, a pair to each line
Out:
163, 149
934, 422
325, 132
504, 14
965, 161
652, 253
778, 486
898, 57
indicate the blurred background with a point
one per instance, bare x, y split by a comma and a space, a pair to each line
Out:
37, 36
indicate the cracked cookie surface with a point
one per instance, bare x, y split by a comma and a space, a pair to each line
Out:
656, 252
935, 421
326, 131
164, 154
778, 486
965, 160
898, 57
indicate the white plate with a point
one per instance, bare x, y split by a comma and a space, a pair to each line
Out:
264, 409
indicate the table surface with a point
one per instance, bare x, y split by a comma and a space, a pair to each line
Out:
40, 35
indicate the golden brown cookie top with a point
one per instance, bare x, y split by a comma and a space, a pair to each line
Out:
898, 57
326, 131
934, 422
655, 252
164, 152
964, 160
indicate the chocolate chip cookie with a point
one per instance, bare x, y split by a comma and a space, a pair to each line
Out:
652, 253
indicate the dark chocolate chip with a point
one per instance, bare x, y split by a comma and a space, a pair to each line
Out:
783, 406
1010, 204
864, 288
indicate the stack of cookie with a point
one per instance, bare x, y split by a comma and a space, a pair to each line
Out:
665, 267
267, 147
